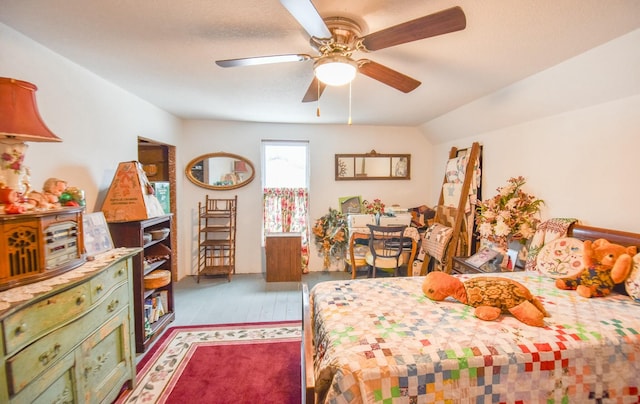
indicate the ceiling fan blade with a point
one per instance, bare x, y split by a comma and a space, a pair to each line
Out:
387, 76
442, 22
313, 92
262, 60
305, 12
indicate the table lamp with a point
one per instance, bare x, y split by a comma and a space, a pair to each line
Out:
20, 121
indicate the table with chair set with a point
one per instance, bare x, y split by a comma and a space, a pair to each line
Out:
386, 248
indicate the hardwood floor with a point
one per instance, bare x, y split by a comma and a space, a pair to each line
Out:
247, 298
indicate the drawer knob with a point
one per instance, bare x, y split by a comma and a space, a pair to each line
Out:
113, 305
21, 329
120, 272
48, 356
80, 300
99, 288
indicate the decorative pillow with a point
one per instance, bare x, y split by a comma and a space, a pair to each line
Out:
436, 239
632, 284
561, 258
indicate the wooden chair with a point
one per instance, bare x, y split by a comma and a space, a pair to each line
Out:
386, 244
356, 255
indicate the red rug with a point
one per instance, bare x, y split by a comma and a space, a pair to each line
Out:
233, 363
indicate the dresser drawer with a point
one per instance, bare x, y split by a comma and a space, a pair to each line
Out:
103, 283
54, 386
27, 364
24, 326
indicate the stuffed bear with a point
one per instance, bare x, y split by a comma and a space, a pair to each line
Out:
490, 296
605, 264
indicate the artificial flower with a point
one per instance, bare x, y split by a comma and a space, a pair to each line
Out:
511, 214
373, 207
330, 233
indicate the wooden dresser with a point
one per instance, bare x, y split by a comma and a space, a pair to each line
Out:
70, 338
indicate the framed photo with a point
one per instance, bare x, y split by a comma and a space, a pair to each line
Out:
350, 204
512, 259
97, 238
483, 256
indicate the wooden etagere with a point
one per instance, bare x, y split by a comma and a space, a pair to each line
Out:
217, 237
156, 254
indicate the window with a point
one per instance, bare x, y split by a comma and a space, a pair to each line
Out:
285, 164
285, 179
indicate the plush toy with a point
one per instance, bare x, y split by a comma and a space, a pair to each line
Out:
605, 264
490, 296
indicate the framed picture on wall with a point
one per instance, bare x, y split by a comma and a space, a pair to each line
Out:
350, 204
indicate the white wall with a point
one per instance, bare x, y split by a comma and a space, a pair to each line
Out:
98, 122
572, 131
325, 141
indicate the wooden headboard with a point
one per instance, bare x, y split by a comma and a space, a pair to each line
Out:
583, 232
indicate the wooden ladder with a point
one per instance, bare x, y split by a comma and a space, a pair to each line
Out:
459, 244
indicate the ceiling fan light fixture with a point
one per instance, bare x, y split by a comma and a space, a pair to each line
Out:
335, 70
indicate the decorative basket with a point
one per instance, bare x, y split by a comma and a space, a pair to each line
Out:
157, 252
157, 279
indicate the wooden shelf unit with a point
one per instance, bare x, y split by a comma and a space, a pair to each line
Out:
131, 234
217, 237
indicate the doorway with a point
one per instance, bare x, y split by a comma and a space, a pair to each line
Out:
159, 164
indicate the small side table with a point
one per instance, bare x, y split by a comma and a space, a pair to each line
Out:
283, 257
461, 266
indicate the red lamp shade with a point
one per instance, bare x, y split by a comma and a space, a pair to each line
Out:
239, 166
19, 116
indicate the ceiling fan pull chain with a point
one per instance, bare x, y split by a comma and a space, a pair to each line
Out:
318, 100
349, 122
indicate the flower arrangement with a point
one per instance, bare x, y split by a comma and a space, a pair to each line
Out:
511, 214
330, 233
373, 207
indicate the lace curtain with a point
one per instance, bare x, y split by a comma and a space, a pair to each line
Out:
285, 210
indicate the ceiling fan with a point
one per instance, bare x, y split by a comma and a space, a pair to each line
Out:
337, 38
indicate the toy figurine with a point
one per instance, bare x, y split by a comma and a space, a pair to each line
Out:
53, 188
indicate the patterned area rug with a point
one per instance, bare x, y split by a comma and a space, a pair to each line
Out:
233, 363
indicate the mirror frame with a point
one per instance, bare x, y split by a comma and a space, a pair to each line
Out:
354, 159
195, 181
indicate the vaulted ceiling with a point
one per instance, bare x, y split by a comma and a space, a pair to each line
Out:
165, 52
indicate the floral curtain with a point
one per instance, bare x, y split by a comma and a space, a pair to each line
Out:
286, 210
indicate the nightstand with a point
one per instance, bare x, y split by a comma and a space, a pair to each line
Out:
461, 266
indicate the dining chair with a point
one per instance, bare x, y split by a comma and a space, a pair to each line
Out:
385, 248
356, 254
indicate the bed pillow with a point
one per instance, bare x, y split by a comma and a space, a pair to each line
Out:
632, 284
561, 258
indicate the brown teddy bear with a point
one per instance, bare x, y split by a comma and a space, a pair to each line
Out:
605, 264
490, 296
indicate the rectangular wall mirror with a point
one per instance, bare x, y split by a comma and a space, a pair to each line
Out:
373, 166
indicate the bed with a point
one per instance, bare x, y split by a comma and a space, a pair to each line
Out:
382, 340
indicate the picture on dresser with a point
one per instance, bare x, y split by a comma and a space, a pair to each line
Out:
350, 204
97, 238
483, 256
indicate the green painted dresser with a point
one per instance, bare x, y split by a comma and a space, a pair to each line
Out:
69, 339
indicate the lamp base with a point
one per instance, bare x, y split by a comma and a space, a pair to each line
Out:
12, 169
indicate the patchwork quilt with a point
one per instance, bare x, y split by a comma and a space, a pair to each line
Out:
382, 341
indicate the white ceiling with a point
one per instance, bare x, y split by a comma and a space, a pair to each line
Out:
164, 52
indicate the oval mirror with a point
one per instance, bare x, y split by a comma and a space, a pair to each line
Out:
220, 171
